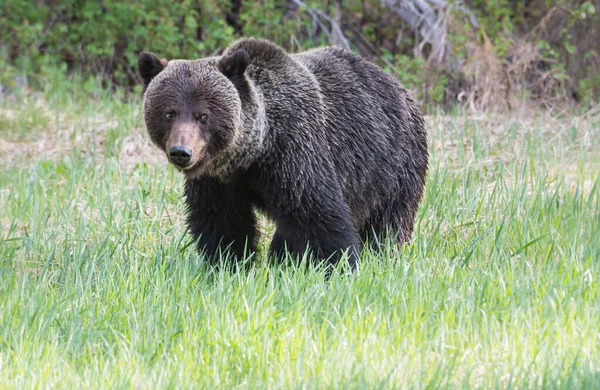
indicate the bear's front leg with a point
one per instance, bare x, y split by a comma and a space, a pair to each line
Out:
220, 218
322, 241
318, 222
303, 196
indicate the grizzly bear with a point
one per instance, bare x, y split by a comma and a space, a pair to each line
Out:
324, 143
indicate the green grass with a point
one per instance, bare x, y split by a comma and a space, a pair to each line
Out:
100, 288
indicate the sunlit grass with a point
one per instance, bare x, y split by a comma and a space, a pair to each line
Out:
99, 286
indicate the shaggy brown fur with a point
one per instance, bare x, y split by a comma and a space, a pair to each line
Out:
328, 145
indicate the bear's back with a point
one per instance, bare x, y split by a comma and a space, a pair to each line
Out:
372, 128
375, 127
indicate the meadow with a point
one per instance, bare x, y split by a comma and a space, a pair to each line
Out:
100, 286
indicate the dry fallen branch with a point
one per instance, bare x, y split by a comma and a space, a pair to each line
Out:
421, 15
335, 35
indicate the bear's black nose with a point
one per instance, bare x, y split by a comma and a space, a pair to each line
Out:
180, 155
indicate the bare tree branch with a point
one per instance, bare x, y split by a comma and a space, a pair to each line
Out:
233, 16
421, 15
335, 35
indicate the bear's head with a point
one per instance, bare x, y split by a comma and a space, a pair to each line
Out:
192, 109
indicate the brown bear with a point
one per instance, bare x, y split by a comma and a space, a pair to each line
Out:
325, 143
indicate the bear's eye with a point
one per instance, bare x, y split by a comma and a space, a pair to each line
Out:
170, 115
202, 118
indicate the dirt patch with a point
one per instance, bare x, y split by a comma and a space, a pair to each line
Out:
489, 138
136, 148
98, 134
457, 141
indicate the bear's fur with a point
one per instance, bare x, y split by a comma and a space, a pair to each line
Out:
326, 144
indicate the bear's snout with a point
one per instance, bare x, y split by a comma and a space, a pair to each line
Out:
185, 146
180, 155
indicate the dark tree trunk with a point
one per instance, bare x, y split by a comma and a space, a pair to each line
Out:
233, 16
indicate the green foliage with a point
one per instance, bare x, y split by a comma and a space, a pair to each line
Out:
412, 73
589, 88
497, 20
103, 38
408, 69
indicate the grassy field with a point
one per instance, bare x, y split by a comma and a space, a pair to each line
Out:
100, 288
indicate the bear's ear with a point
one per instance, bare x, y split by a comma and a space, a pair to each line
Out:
149, 66
234, 64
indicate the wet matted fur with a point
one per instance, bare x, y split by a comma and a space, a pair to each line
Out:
325, 143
